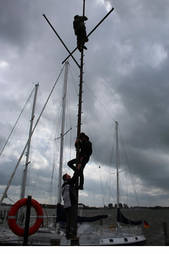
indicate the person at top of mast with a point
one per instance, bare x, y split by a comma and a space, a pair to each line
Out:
84, 150
80, 31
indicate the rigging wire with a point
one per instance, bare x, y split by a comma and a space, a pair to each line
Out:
90, 90
11, 200
68, 125
47, 100
101, 184
17, 120
98, 100
43, 109
113, 173
68, 128
130, 169
112, 188
73, 79
105, 109
72, 93
55, 159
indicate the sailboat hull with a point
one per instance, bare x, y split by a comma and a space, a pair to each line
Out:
127, 240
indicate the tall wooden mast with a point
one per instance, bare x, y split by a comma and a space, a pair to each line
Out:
79, 120
80, 85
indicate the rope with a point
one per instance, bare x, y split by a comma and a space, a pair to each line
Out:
16, 122
98, 99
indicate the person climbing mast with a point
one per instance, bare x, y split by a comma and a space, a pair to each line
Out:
84, 146
80, 31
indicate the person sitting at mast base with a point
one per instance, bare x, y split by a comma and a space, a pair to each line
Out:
70, 201
84, 151
80, 31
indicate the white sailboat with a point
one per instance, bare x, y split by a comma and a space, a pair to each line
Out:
130, 235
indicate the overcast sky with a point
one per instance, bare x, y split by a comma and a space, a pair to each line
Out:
126, 79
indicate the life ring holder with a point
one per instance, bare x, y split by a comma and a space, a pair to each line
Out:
12, 220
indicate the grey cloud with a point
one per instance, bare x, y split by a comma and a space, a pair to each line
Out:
14, 29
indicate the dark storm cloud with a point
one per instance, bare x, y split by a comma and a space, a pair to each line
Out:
13, 28
138, 59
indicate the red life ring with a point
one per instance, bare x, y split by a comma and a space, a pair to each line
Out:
12, 217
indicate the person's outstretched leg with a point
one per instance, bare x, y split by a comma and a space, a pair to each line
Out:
72, 164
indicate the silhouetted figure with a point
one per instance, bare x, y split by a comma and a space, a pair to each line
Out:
80, 31
70, 201
84, 148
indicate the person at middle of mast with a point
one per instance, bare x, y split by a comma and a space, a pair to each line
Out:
84, 151
80, 31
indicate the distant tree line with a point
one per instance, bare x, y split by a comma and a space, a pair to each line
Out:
110, 205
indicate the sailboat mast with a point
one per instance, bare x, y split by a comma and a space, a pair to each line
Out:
23, 186
62, 130
117, 162
80, 85
80, 96
75, 213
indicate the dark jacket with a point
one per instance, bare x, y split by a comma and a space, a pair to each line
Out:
78, 25
85, 148
69, 193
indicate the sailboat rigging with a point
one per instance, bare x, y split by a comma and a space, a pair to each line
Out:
24, 179
25, 147
120, 237
62, 131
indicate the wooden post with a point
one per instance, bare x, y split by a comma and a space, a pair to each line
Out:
27, 221
101, 222
75, 242
55, 242
165, 230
